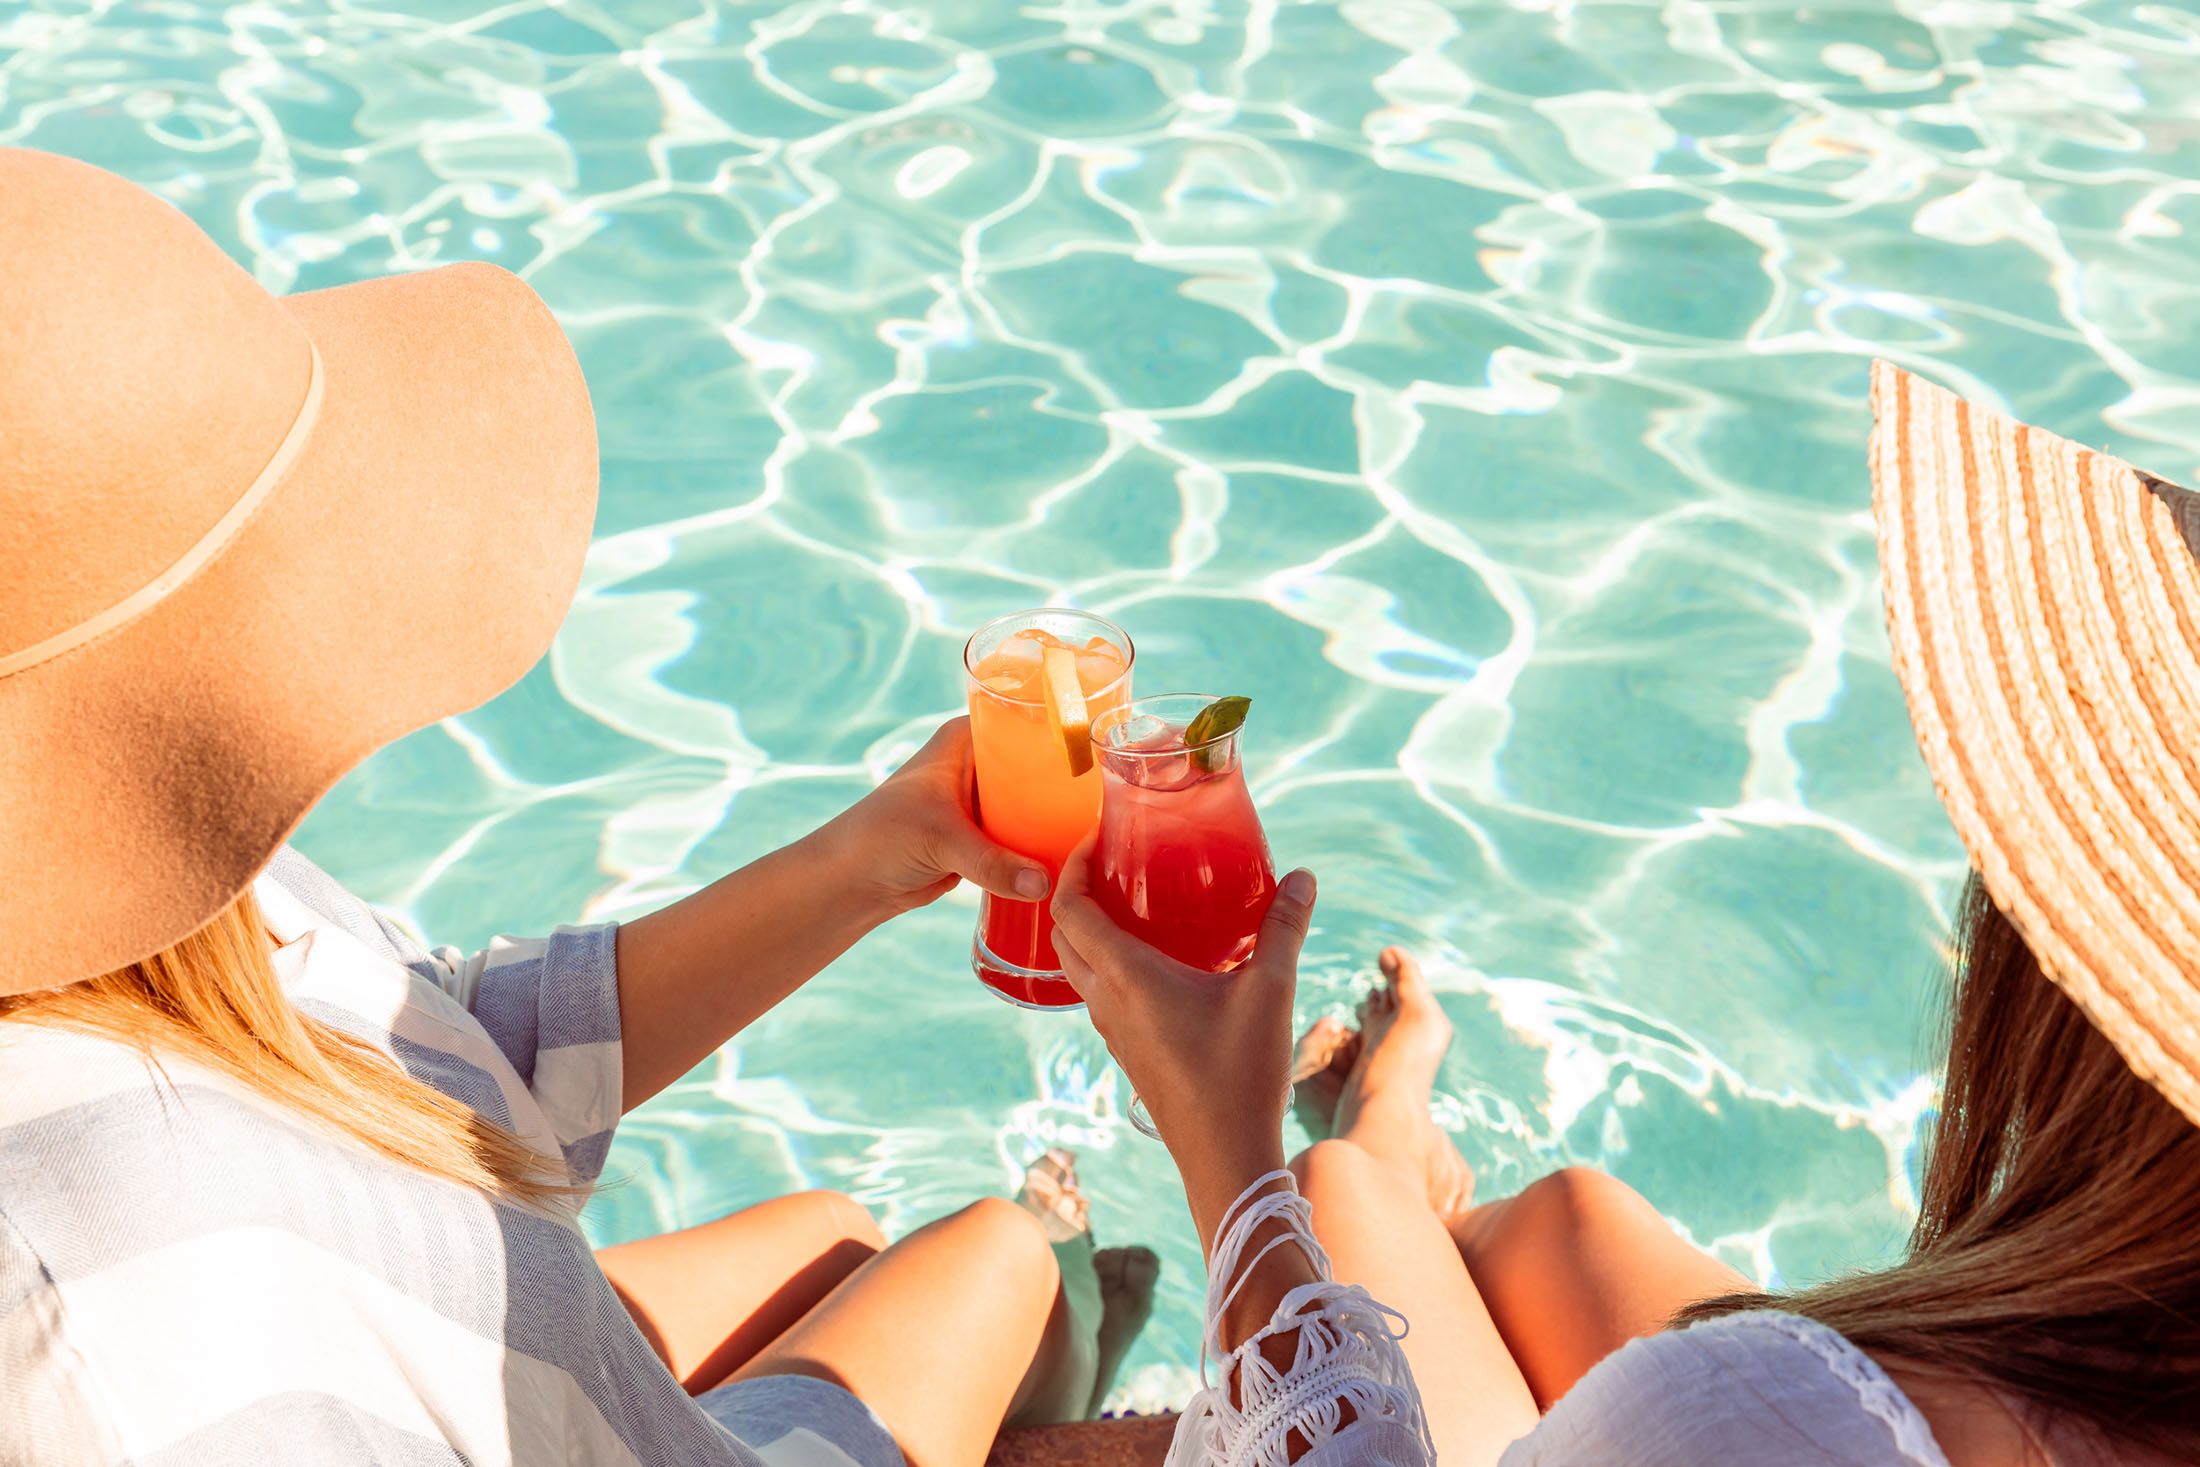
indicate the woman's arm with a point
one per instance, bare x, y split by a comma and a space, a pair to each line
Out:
699, 971
1311, 1369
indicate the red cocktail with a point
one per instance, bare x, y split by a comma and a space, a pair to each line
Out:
1182, 861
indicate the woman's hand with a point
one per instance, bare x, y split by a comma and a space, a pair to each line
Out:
1208, 1053
699, 971
910, 840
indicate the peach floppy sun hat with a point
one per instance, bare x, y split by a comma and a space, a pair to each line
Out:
244, 542
2044, 603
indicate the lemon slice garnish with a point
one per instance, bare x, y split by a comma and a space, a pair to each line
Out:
1066, 711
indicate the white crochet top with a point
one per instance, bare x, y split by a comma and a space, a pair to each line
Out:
1758, 1387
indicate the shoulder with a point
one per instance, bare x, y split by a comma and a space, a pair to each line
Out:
1762, 1386
44, 1068
292, 885
1979, 1426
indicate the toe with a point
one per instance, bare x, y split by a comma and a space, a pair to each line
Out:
1406, 976
1380, 1000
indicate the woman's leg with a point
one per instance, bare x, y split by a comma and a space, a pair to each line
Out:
710, 1297
1381, 1234
1383, 1191
942, 1335
1577, 1265
1572, 1268
1107, 1292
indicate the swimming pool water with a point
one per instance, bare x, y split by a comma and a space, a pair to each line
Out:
1478, 387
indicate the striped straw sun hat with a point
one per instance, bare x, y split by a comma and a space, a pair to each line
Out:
2044, 603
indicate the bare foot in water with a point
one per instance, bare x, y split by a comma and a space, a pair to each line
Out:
1127, 1279
1107, 1292
1051, 1194
1327, 1053
1383, 1107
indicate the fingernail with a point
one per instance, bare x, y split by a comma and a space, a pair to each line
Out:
1031, 883
1298, 887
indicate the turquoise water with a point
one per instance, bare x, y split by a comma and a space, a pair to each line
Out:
1480, 388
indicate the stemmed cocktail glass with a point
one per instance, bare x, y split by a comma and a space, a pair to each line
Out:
1181, 861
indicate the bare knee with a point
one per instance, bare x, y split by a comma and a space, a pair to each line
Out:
1331, 1164
843, 1218
1582, 1203
1012, 1243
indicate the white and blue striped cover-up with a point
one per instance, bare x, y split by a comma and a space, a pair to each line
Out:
190, 1275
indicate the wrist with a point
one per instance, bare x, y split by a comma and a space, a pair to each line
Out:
843, 854
1263, 1276
1216, 1175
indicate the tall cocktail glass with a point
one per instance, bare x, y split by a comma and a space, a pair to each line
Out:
1036, 681
1181, 860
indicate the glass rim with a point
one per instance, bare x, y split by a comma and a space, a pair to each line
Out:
1125, 711
1121, 637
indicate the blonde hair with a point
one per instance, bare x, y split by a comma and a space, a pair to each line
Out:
214, 999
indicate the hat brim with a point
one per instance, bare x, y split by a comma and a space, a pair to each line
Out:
2045, 616
416, 560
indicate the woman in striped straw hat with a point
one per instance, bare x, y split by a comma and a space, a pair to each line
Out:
2045, 609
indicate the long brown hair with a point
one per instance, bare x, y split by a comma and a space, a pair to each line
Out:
214, 998
2057, 1248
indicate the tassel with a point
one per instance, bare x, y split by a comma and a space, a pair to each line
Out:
1347, 1358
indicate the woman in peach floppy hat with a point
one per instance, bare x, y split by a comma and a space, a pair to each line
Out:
277, 1182
2044, 603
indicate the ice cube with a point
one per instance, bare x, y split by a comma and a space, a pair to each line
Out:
1095, 670
1138, 731
1022, 650
1160, 771
1007, 684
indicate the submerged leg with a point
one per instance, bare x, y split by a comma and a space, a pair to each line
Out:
710, 1297
1108, 1293
1127, 1279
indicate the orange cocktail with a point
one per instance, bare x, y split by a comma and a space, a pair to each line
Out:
1037, 680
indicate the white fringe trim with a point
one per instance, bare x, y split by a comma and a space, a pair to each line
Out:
1347, 1355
